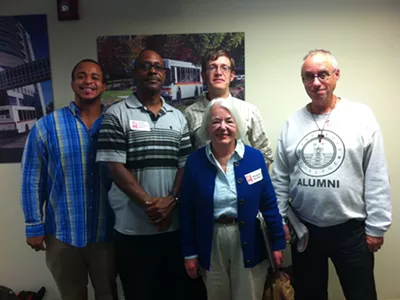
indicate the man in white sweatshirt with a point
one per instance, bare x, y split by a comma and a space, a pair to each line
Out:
330, 166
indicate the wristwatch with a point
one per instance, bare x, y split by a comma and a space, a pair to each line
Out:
175, 196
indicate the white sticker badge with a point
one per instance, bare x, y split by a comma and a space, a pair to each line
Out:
254, 176
139, 125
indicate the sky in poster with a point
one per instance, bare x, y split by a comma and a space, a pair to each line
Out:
36, 26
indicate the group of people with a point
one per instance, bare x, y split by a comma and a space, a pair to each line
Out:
168, 200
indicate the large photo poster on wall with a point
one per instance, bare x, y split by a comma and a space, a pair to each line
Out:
26, 92
182, 55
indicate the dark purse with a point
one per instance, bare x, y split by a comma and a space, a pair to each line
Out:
7, 294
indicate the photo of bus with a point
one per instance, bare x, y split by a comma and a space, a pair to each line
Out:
182, 80
15, 119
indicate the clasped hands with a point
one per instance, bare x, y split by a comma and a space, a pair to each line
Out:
159, 210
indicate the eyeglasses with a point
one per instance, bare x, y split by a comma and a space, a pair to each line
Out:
149, 66
216, 123
322, 76
214, 68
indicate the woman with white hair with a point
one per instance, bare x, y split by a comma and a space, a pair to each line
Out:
224, 186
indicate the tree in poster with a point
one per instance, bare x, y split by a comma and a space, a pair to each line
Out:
199, 44
115, 54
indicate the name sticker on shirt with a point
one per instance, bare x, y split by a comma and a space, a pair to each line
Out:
254, 176
139, 125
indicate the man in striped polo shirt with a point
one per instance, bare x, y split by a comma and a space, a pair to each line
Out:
145, 143
64, 192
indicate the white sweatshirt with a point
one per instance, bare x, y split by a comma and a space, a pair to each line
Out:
343, 177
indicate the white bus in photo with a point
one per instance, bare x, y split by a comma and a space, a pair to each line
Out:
16, 119
182, 80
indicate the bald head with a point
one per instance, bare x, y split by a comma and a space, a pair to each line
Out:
146, 55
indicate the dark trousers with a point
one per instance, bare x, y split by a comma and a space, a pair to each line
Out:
345, 244
197, 289
151, 266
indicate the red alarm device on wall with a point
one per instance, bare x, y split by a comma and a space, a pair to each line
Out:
67, 10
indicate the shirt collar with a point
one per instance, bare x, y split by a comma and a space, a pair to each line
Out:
133, 102
238, 153
206, 96
76, 110
205, 100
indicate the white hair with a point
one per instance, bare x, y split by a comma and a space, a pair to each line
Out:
321, 51
227, 104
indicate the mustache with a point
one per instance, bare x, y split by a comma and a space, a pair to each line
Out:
153, 78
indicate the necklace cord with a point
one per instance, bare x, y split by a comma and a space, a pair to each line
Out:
321, 135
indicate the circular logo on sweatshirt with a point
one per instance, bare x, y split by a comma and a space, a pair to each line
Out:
320, 155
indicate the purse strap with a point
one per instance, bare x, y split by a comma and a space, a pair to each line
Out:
267, 243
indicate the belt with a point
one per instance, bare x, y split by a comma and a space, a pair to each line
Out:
226, 220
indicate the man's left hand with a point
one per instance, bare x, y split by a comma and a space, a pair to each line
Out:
374, 243
164, 224
159, 208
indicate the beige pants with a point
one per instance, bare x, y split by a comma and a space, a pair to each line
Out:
71, 265
228, 279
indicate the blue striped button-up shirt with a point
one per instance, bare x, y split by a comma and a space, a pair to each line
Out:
64, 191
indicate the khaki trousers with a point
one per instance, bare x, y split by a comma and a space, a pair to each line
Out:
70, 267
228, 279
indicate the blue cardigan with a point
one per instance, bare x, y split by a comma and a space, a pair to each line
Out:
197, 208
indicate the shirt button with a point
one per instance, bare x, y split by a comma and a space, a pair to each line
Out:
239, 180
241, 224
245, 244
236, 163
248, 261
241, 201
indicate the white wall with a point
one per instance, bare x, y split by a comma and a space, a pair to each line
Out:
364, 36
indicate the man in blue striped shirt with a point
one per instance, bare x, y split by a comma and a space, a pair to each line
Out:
64, 191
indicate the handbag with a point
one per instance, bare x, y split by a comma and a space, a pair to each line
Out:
277, 285
29, 295
7, 294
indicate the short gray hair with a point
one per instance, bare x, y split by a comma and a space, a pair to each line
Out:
225, 103
321, 51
